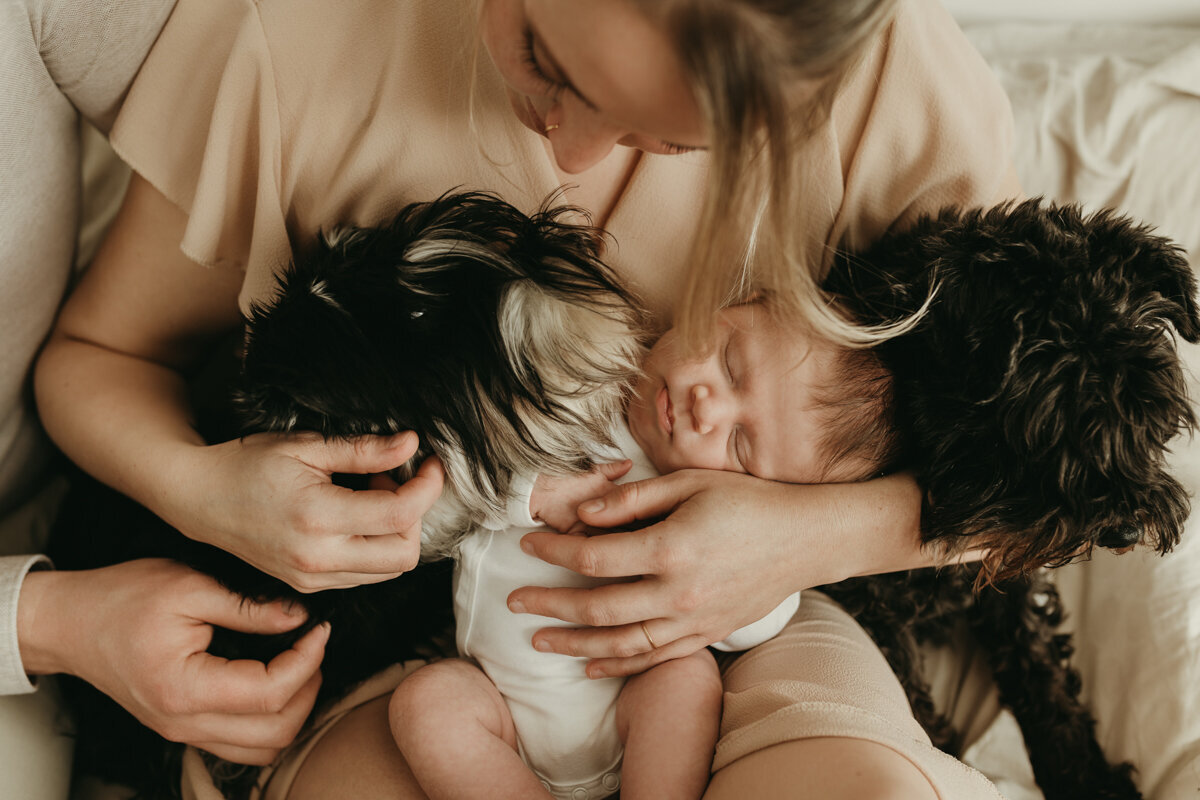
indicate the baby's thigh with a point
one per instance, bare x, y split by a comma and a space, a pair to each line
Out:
692, 683
446, 698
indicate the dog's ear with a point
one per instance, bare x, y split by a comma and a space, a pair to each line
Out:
1161, 284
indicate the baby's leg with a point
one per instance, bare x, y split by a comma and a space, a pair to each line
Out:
457, 735
668, 717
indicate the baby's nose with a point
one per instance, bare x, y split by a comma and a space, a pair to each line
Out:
707, 409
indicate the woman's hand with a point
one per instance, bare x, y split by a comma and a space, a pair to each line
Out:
280, 511
138, 632
715, 564
732, 548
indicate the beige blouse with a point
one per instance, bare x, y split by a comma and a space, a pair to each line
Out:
268, 121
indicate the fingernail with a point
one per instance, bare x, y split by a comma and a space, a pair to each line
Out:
592, 506
596, 672
516, 606
293, 608
526, 547
541, 646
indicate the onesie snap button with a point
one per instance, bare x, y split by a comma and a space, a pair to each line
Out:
611, 781
580, 794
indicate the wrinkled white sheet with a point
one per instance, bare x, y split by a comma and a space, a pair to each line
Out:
1106, 114
1109, 115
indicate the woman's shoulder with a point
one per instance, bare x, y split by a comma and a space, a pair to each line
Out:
921, 123
923, 49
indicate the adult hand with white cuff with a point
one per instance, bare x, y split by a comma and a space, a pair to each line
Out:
728, 549
138, 631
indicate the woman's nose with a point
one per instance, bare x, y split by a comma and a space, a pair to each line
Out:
709, 409
580, 140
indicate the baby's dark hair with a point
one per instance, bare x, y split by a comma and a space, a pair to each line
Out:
860, 439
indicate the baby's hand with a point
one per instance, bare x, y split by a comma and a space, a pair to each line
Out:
556, 498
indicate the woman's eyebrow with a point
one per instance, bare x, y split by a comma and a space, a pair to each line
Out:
564, 78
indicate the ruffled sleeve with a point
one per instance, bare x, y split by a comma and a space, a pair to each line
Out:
201, 124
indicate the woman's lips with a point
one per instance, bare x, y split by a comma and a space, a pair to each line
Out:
666, 415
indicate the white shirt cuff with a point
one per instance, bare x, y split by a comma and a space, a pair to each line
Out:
516, 513
758, 632
13, 570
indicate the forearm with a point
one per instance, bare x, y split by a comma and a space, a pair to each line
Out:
109, 384
123, 419
842, 531
39, 626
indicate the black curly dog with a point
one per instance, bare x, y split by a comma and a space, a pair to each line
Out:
1036, 397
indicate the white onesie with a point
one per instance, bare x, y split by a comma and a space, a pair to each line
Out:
566, 722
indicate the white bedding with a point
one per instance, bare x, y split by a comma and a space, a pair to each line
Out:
1109, 115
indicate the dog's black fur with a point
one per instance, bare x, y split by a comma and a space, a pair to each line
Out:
1036, 396
390, 329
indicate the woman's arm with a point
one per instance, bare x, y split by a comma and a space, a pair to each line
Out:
111, 392
732, 549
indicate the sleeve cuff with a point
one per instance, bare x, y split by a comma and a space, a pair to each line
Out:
516, 513
758, 632
13, 570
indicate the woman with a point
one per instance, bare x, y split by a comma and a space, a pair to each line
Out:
252, 125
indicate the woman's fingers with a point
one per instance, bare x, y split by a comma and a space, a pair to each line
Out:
376, 512
614, 555
632, 665
377, 535
618, 641
638, 500
246, 688
601, 606
256, 738
361, 455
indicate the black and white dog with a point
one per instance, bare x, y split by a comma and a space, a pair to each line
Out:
506, 343
502, 339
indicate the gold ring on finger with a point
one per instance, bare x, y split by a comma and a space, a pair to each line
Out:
649, 638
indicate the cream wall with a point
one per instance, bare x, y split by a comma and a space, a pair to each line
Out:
1138, 11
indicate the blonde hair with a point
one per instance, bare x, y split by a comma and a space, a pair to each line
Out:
745, 60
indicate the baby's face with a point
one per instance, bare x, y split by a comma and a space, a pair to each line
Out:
745, 407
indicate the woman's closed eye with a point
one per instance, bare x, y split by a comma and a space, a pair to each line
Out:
549, 86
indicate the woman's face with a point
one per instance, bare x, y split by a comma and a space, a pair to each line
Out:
596, 74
